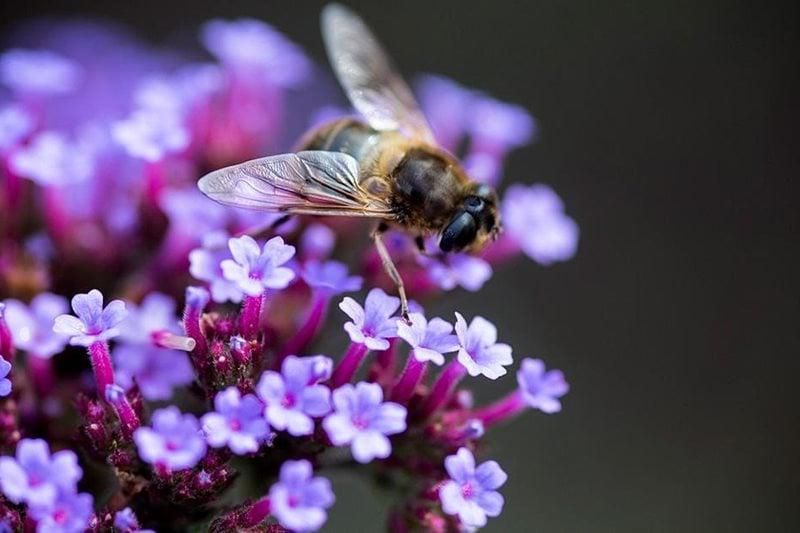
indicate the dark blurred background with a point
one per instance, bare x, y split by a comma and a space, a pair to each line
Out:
670, 130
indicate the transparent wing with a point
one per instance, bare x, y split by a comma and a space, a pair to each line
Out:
311, 182
369, 77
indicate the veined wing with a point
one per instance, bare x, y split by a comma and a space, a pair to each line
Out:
369, 77
310, 182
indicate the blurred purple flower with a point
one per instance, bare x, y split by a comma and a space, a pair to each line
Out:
125, 521
151, 134
157, 371
237, 422
317, 242
38, 72
155, 313
330, 277
293, 397
51, 159
70, 513
204, 264
32, 325
480, 353
254, 269
541, 389
36, 477
191, 213
445, 103
175, 441
5, 383
362, 419
500, 124
429, 341
94, 322
451, 270
15, 125
471, 493
375, 322
299, 500
533, 216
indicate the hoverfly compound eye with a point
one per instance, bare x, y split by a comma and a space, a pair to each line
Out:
474, 204
459, 233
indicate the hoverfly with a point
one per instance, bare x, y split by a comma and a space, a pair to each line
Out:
387, 167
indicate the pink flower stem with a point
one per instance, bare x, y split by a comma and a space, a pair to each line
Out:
308, 330
191, 324
349, 364
257, 513
42, 375
501, 410
128, 420
101, 364
57, 218
250, 319
409, 379
154, 181
443, 387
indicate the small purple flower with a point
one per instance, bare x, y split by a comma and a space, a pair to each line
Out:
429, 340
363, 420
36, 477
5, 383
125, 521
204, 264
499, 123
299, 500
541, 389
175, 441
151, 134
451, 270
254, 269
191, 213
51, 159
157, 371
94, 323
533, 216
375, 322
155, 313
317, 242
70, 513
15, 125
330, 277
38, 72
480, 353
32, 325
294, 396
237, 422
444, 102
471, 493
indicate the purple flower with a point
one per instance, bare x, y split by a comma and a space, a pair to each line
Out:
480, 353
191, 213
293, 397
94, 323
204, 264
298, 500
429, 341
471, 493
237, 422
174, 441
38, 72
36, 477
70, 513
5, 383
15, 125
51, 159
151, 134
363, 420
32, 325
330, 277
253, 46
452, 270
541, 389
499, 123
125, 521
533, 216
374, 323
156, 370
317, 242
254, 269
444, 102
156, 313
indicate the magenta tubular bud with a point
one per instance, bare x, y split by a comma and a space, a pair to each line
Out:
167, 339
6, 342
349, 364
409, 379
196, 300
306, 333
101, 364
502, 410
250, 319
257, 513
128, 419
443, 387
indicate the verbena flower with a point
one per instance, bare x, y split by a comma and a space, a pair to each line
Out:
541, 389
32, 325
52, 159
175, 441
330, 277
429, 341
293, 396
38, 72
363, 420
94, 322
157, 371
125, 521
204, 264
151, 134
453, 270
36, 477
500, 123
480, 353
69, 513
15, 125
299, 500
156, 313
533, 216
317, 242
191, 214
5, 383
255, 269
374, 323
471, 493
237, 422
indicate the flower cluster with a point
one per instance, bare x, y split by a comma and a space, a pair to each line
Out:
172, 341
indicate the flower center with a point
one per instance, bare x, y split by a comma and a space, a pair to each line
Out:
34, 480
235, 424
60, 516
294, 501
289, 400
171, 445
360, 422
467, 490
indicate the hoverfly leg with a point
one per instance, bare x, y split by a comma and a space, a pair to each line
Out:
391, 270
